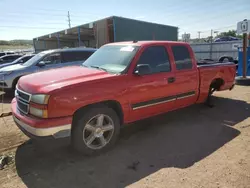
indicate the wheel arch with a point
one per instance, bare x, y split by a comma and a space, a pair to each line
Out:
115, 105
15, 82
217, 83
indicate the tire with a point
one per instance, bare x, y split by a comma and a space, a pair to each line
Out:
86, 128
14, 84
208, 101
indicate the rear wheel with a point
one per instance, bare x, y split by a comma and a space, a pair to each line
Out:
95, 130
209, 97
215, 86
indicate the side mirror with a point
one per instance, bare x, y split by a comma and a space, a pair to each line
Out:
142, 69
41, 64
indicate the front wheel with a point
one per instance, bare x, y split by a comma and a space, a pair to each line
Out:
95, 130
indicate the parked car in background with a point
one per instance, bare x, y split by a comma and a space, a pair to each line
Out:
20, 60
9, 58
45, 60
226, 38
119, 84
222, 59
6, 53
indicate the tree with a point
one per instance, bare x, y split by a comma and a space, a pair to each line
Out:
231, 33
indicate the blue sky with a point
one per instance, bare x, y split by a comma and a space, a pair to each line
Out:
27, 19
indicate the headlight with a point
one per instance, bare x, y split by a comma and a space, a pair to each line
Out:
40, 99
38, 112
38, 107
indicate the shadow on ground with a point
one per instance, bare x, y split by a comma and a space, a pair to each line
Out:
177, 139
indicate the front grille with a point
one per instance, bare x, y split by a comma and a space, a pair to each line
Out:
23, 96
23, 107
23, 100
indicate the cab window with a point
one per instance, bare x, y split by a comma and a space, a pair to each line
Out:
182, 57
156, 57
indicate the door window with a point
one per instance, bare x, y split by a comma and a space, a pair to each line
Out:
10, 58
52, 59
182, 57
26, 59
156, 57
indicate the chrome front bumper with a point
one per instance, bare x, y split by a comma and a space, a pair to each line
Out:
57, 132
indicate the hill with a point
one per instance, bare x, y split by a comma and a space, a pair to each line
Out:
16, 42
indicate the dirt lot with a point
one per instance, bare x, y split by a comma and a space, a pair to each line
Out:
193, 147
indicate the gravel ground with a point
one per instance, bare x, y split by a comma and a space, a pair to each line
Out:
192, 147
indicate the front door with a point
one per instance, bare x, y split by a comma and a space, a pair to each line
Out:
51, 61
152, 93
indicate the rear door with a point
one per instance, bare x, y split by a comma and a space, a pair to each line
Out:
186, 75
153, 93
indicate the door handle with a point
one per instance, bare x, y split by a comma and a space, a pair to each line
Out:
171, 80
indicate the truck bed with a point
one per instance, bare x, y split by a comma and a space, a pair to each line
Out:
212, 64
209, 72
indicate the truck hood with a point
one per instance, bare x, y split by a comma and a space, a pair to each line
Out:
45, 82
12, 68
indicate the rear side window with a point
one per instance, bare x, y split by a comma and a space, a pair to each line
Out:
75, 56
12, 57
182, 57
7, 58
16, 56
157, 59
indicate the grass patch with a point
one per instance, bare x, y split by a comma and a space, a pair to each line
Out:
15, 47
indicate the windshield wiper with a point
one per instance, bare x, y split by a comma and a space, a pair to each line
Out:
96, 67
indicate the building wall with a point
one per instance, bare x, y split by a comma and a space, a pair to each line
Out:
101, 32
216, 50
128, 29
41, 45
112, 29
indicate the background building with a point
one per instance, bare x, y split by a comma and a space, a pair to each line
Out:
100, 32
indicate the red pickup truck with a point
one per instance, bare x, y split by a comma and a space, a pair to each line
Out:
120, 83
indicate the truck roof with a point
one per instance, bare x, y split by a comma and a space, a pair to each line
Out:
142, 43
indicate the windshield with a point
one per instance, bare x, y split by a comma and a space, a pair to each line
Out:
112, 58
34, 59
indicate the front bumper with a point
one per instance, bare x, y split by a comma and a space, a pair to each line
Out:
34, 127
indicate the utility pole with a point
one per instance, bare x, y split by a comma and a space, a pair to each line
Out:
199, 34
69, 20
244, 74
211, 43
